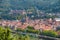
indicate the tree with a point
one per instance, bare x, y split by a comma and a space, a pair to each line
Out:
49, 33
32, 30
5, 34
27, 37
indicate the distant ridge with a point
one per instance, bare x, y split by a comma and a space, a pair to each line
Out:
45, 5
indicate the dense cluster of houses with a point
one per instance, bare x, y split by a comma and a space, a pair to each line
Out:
13, 24
44, 24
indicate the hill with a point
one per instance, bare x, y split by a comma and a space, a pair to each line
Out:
45, 5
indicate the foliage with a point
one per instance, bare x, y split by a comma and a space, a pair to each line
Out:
32, 6
58, 33
6, 34
50, 33
29, 27
40, 4
32, 30
20, 30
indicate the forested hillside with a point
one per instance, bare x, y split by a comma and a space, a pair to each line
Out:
46, 5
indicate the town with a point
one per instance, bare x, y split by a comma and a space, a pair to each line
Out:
38, 24
29, 19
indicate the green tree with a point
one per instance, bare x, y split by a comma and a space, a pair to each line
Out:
50, 33
5, 34
27, 37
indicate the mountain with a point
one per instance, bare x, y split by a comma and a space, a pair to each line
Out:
45, 5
